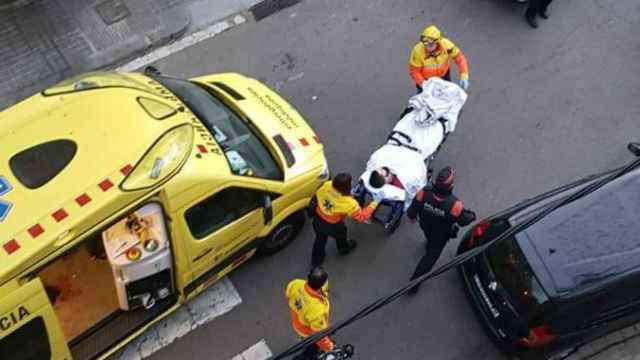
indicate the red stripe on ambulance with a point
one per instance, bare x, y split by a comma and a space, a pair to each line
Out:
35, 230
105, 184
59, 215
83, 199
11, 246
126, 169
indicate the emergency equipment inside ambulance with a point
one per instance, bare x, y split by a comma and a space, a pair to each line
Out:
122, 196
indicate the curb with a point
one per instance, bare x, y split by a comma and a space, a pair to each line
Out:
171, 47
12, 5
178, 43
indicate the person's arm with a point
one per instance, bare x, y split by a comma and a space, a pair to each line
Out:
362, 214
458, 57
462, 216
415, 67
317, 324
416, 204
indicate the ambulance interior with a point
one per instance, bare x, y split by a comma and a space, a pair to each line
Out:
123, 273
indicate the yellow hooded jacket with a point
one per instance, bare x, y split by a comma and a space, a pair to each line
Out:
309, 310
333, 207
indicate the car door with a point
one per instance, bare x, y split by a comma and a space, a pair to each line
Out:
219, 227
619, 305
29, 328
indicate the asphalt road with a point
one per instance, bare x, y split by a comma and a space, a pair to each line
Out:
545, 107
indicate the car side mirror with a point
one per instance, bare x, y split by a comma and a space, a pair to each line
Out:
634, 148
267, 209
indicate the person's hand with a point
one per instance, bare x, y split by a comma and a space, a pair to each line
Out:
377, 196
464, 84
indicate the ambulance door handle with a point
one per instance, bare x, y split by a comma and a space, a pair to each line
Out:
64, 238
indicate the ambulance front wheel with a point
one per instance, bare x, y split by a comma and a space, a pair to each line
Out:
282, 235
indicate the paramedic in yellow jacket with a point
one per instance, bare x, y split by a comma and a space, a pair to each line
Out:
309, 308
431, 56
333, 204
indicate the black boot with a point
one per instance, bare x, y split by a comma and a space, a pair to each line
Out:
413, 290
531, 20
352, 244
544, 14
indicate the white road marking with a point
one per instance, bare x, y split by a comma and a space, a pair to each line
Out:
182, 44
213, 302
259, 351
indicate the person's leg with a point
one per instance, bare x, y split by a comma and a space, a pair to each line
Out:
339, 232
543, 9
435, 245
311, 352
533, 8
318, 253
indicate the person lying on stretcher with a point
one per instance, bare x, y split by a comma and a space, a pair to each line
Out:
382, 176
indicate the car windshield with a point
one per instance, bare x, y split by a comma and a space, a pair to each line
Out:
516, 277
245, 152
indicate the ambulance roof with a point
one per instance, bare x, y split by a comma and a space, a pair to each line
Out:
65, 152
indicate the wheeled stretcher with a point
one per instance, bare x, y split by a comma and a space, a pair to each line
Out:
411, 147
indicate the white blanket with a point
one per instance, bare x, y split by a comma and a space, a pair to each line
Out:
406, 164
439, 99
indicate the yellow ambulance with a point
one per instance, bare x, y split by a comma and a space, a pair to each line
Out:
122, 196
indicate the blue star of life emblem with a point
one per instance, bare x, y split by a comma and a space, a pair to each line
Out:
327, 205
5, 206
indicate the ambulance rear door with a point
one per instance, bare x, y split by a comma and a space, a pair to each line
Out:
29, 328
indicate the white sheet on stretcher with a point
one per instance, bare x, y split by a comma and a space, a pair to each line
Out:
406, 164
443, 99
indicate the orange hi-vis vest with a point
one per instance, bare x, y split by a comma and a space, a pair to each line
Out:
333, 207
424, 64
309, 310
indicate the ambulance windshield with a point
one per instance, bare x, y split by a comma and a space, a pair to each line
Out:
246, 154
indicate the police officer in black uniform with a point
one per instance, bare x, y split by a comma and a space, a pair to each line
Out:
440, 213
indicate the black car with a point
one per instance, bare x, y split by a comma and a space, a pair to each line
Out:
567, 279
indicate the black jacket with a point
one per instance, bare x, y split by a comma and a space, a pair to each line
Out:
439, 211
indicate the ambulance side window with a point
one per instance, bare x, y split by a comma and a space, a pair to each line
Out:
28, 342
221, 209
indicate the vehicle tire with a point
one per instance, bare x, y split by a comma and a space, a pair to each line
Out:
282, 235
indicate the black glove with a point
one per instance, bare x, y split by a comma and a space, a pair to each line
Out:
348, 350
466, 217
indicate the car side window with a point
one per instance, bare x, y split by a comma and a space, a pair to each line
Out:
221, 209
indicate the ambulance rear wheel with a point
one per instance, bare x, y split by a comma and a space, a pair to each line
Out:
283, 234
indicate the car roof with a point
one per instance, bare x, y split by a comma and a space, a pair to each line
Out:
588, 241
112, 129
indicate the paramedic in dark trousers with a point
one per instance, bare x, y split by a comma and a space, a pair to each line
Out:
440, 213
333, 203
308, 303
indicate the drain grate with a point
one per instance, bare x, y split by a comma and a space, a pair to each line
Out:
112, 11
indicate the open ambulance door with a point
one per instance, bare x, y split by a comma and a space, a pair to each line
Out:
29, 328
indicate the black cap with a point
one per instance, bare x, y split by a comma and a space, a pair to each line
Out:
342, 183
317, 278
445, 178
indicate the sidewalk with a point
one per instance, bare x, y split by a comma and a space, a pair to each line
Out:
620, 345
50, 40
